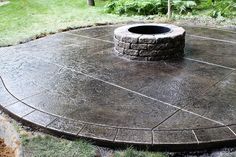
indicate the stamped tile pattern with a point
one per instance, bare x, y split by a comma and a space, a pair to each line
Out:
66, 125
39, 118
174, 137
98, 132
73, 83
214, 134
134, 136
20, 109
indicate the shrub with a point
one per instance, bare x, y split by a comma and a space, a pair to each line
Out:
182, 6
136, 7
147, 7
226, 8
223, 8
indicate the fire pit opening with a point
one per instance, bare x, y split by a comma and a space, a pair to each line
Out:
149, 42
149, 29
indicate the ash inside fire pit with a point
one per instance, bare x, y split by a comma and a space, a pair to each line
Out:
150, 41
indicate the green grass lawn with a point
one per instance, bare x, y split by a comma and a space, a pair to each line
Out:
48, 146
21, 20
24, 19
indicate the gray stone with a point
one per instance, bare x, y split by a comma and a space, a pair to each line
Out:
160, 46
119, 49
147, 39
156, 47
124, 45
148, 53
130, 38
139, 46
131, 52
116, 41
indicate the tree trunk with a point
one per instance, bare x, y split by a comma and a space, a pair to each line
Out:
169, 9
91, 2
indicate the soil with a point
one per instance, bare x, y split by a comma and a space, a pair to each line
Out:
6, 151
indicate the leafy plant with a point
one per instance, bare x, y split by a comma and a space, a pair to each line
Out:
182, 6
223, 8
218, 8
214, 8
136, 7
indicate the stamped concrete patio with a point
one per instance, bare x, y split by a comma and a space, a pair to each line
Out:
72, 84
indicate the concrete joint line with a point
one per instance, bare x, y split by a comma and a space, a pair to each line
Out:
29, 113
35, 109
51, 122
89, 37
166, 119
215, 39
117, 131
195, 136
210, 120
28, 104
231, 130
215, 84
196, 114
208, 63
152, 137
213, 28
81, 129
19, 100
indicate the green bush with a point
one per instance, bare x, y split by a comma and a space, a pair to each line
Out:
225, 8
147, 7
182, 6
136, 7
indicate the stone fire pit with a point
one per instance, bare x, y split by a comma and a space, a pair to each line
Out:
150, 42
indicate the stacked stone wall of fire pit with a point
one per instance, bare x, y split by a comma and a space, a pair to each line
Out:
168, 41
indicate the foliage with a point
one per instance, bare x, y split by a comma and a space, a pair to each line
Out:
225, 8
136, 7
183, 6
147, 7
